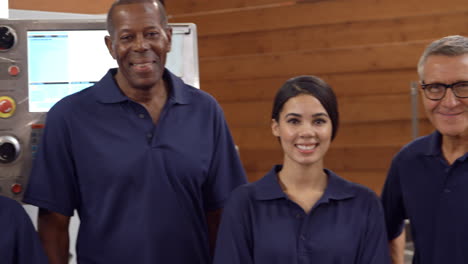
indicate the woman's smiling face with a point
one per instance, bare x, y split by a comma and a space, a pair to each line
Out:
304, 130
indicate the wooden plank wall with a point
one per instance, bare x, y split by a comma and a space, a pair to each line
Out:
67, 6
366, 49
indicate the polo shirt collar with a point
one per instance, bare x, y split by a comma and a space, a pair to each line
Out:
268, 188
337, 188
434, 148
179, 92
107, 90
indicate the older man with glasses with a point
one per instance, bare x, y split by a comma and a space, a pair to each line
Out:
428, 179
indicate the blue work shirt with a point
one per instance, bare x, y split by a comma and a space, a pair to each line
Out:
421, 186
141, 189
260, 225
19, 242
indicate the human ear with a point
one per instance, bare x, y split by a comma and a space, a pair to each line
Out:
274, 127
108, 41
169, 38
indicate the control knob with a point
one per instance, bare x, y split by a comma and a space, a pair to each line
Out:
9, 149
7, 38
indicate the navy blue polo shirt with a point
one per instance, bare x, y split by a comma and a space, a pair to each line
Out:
141, 190
421, 186
19, 242
261, 225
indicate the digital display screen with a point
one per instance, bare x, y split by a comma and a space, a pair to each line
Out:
62, 62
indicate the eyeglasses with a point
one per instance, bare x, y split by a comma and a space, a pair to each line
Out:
437, 91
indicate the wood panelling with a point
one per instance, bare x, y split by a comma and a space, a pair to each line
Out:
344, 85
381, 134
360, 158
343, 60
315, 13
344, 34
69, 6
178, 7
362, 109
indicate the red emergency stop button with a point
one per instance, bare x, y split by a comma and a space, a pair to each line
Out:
13, 70
16, 188
7, 106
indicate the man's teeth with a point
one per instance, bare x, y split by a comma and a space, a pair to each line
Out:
306, 147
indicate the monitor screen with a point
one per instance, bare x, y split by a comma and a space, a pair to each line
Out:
62, 62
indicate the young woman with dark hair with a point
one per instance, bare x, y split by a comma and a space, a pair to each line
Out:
300, 212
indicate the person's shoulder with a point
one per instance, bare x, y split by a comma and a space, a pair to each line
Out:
241, 198
200, 95
203, 103
5, 201
242, 193
353, 189
364, 198
414, 148
366, 193
9, 206
417, 143
72, 102
359, 190
195, 94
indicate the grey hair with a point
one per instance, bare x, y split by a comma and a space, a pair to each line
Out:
455, 45
160, 4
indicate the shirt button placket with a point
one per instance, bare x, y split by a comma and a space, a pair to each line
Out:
301, 217
447, 189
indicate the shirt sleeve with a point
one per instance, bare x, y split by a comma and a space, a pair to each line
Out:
234, 243
28, 249
392, 202
225, 171
51, 183
374, 245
